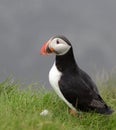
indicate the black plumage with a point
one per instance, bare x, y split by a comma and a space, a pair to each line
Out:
77, 86
74, 86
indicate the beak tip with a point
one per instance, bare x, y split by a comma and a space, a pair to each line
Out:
42, 52
43, 49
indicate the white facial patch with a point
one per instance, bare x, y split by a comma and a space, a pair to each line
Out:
60, 48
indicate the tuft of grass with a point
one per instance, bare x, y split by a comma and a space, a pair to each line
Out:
20, 110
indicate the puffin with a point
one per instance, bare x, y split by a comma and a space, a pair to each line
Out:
74, 86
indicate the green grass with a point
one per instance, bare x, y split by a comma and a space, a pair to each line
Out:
20, 110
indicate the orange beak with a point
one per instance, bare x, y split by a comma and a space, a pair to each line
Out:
45, 50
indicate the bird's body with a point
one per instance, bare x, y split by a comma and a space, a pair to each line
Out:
72, 85
54, 78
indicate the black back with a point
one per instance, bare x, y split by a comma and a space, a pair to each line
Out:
77, 87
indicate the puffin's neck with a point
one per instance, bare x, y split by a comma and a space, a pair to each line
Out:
66, 61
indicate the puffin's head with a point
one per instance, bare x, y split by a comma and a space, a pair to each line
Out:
59, 45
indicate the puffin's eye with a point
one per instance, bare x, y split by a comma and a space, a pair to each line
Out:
57, 41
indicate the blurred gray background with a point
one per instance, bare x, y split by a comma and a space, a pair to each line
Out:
25, 25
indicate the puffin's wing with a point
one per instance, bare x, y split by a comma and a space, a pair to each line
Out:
81, 96
87, 79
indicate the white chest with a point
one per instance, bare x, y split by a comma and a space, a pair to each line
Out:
54, 77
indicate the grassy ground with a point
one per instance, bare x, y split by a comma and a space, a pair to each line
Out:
20, 110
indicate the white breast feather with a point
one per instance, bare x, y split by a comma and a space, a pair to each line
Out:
54, 77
